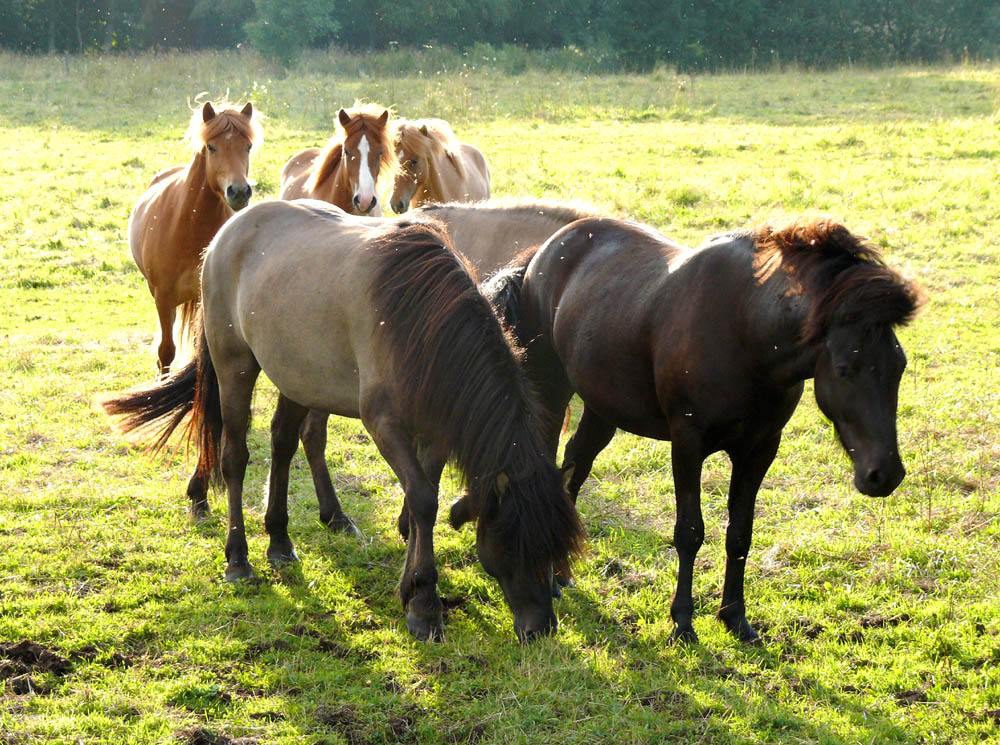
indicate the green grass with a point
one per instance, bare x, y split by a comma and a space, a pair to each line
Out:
883, 616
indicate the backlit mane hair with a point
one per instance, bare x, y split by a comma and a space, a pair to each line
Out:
228, 118
843, 275
364, 118
560, 212
438, 141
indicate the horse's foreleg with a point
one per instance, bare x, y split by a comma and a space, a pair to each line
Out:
166, 311
689, 529
313, 435
748, 472
418, 583
284, 442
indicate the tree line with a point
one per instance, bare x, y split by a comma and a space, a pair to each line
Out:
631, 34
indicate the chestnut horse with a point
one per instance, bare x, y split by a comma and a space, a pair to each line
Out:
436, 167
346, 171
185, 206
378, 320
709, 348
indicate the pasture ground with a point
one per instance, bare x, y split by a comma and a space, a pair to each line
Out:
882, 616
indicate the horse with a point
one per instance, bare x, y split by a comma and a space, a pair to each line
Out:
436, 167
488, 234
377, 320
709, 348
346, 171
183, 208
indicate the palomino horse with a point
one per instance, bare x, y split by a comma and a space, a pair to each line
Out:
380, 321
346, 171
436, 167
182, 209
709, 348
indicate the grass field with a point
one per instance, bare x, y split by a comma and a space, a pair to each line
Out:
882, 616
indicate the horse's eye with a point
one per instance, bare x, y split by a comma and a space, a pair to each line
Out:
211, 148
413, 163
249, 148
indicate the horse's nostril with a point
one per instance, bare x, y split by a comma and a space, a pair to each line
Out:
874, 477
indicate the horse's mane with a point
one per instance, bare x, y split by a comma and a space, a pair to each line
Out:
460, 374
439, 140
364, 118
228, 118
561, 212
842, 274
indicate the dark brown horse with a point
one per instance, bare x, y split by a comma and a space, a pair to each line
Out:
381, 321
709, 348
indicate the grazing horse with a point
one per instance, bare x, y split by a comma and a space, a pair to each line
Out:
489, 234
346, 171
709, 348
435, 167
184, 207
380, 321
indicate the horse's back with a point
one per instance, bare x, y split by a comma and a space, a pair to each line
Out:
148, 222
288, 283
477, 184
295, 173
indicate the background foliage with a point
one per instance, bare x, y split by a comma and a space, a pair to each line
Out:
622, 34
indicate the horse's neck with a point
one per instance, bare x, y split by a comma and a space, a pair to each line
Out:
199, 194
435, 189
336, 188
775, 323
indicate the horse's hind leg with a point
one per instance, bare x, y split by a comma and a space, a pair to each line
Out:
689, 529
284, 442
591, 437
236, 382
166, 311
748, 473
418, 583
313, 436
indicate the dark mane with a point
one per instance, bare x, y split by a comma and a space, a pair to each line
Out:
463, 381
842, 274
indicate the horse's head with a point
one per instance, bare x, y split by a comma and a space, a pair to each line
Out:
414, 166
857, 383
527, 529
367, 148
226, 138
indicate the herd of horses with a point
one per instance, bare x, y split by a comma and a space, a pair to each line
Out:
384, 319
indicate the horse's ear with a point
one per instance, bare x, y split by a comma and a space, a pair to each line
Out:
384, 118
423, 130
247, 110
567, 475
207, 112
344, 118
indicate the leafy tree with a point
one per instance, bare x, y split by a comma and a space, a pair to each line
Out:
281, 29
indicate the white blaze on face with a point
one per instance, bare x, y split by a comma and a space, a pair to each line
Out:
366, 184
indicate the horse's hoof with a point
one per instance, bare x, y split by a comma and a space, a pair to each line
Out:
743, 631
458, 514
684, 635
199, 510
282, 556
240, 572
556, 590
425, 628
343, 524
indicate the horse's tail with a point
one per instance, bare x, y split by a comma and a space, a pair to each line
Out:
163, 407
187, 329
503, 291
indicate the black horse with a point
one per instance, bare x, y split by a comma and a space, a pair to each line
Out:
709, 348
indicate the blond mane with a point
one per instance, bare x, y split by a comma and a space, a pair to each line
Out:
228, 118
439, 140
364, 118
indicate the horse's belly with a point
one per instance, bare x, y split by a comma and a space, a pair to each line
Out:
315, 383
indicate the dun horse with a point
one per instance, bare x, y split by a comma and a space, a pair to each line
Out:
489, 234
380, 321
184, 207
346, 171
709, 348
435, 167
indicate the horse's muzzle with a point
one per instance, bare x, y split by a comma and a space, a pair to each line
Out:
369, 208
238, 196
